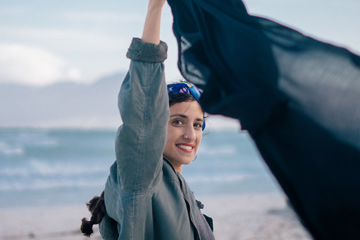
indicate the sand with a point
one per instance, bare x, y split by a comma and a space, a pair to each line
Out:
254, 217
245, 217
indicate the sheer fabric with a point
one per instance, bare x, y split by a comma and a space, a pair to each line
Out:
299, 98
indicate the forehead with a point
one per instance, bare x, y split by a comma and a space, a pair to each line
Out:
190, 109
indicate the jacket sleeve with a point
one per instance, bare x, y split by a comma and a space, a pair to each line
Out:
144, 108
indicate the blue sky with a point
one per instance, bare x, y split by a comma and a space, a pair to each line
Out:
42, 42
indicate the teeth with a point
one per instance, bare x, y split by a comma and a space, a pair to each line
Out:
185, 147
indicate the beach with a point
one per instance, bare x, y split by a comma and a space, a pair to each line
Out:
254, 217
245, 217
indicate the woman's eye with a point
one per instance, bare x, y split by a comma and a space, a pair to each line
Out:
198, 125
177, 122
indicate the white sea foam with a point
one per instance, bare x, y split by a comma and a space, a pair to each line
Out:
229, 178
7, 150
29, 134
40, 138
205, 150
16, 143
38, 168
62, 169
45, 142
10, 172
39, 184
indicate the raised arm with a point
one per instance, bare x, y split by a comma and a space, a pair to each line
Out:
151, 32
143, 105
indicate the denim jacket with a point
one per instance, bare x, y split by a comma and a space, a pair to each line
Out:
144, 194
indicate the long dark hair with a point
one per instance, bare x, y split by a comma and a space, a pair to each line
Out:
97, 208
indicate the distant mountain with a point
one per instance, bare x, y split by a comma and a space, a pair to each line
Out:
62, 104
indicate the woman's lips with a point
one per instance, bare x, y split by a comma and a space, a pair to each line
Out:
185, 147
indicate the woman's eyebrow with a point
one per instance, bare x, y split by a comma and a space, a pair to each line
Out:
179, 115
184, 116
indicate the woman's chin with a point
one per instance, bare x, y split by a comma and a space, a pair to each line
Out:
187, 161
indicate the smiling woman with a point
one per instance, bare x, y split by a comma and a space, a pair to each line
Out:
145, 196
33, 66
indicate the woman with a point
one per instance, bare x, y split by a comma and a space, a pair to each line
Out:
145, 195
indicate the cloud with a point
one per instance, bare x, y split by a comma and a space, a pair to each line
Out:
33, 66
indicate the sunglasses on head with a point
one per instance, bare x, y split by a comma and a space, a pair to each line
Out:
186, 88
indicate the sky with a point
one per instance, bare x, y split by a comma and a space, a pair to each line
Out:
44, 42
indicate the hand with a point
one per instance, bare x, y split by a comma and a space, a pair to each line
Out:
156, 3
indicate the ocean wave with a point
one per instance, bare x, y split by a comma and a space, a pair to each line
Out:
47, 185
10, 172
38, 168
23, 134
15, 143
228, 150
7, 150
44, 141
217, 178
31, 138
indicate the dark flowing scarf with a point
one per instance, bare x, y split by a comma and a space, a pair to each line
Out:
299, 98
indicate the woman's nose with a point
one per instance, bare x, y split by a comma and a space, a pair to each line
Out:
189, 133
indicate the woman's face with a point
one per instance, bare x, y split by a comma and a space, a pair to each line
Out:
184, 133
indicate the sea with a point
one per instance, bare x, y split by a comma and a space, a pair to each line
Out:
60, 167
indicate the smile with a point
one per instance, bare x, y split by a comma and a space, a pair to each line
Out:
186, 148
